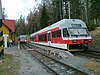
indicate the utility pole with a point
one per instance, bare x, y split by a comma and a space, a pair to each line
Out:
68, 5
1, 32
61, 9
69, 8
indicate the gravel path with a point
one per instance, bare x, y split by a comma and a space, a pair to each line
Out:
27, 64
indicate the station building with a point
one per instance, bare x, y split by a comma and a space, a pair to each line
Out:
8, 28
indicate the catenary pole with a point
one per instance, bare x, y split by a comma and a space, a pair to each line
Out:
69, 8
1, 32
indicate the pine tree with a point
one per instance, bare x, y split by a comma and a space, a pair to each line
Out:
95, 10
75, 9
43, 18
31, 23
20, 26
57, 10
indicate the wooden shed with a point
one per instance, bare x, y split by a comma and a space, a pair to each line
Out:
9, 29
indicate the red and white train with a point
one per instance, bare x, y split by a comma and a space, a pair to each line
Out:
66, 34
22, 39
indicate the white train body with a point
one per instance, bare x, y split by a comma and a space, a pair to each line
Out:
65, 34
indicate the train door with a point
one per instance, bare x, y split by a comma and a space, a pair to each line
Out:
66, 37
49, 38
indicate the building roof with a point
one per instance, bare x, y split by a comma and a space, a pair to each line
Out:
10, 24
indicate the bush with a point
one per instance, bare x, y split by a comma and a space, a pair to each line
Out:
91, 27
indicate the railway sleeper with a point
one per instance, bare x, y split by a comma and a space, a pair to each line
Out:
62, 55
53, 53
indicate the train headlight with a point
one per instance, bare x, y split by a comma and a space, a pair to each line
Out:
74, 41
25, 40
89, 40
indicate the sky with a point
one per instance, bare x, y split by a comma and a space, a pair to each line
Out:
15, 8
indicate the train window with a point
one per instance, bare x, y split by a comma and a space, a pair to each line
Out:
58, 33
54, 34
65, 32
76, 25
43, 37
33, 38
49, 37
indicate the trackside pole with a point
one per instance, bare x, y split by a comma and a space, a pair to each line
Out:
5, 40
69, 8
1, 32
19, 45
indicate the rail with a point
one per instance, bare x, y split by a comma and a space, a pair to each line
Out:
66, 68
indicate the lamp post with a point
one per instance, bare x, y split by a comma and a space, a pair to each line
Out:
1, 32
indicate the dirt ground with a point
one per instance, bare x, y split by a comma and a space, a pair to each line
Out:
20, 62
95, 39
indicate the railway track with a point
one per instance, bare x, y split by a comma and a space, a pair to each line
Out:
87, 53
93, 54
56, 65
90, 54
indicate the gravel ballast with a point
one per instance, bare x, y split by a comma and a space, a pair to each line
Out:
28, 65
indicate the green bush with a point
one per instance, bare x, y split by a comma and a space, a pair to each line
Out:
91, 27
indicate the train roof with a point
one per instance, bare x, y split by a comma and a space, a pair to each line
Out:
62, 23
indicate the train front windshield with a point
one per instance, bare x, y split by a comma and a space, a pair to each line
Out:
78, 31
23, 38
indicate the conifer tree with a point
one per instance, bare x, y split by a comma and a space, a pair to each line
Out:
95, 10
43, 18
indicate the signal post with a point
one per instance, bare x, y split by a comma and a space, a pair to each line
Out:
1, 32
